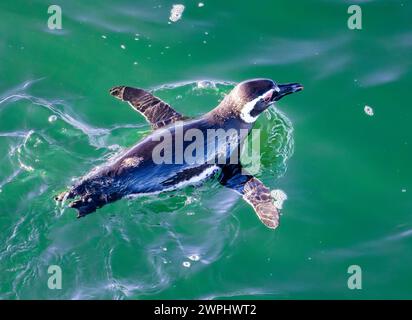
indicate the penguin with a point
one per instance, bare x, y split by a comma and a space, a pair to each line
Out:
138, 172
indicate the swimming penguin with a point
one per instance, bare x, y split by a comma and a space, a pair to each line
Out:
137, 172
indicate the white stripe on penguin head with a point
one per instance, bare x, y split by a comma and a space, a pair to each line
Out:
248, 107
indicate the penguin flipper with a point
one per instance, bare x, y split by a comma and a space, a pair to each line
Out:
157, 112
253, 191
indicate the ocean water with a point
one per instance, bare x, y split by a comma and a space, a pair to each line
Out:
347, 174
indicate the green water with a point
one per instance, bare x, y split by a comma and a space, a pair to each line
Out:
347, 175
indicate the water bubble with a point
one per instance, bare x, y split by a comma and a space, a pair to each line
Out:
176, 12
194, 257
186, 264
189, 200
368, 110
52, 118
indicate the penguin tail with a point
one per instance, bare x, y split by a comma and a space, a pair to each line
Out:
83, 208
88, 196
89, 203
84, 204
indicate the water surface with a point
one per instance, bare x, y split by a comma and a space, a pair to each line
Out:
347, 175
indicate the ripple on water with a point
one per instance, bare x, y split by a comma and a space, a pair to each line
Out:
130, 248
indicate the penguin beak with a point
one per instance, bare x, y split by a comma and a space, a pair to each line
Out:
285, 89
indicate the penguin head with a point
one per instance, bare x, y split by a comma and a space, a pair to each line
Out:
252, 97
